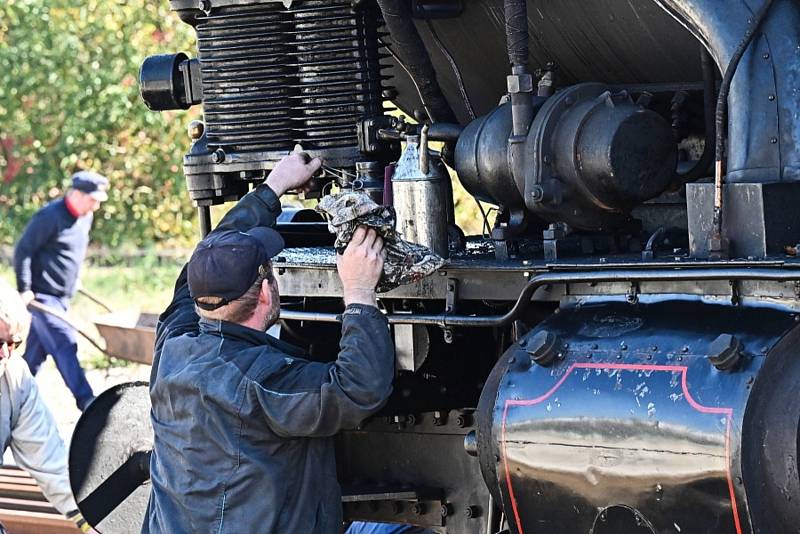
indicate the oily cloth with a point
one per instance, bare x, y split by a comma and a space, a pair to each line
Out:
405, 262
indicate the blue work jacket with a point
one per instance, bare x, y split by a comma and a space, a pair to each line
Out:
244, 424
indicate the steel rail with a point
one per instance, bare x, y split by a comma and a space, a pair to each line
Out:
447, 320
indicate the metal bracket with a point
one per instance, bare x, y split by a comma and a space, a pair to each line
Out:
735, 298
633, 293
550, 238
451, 298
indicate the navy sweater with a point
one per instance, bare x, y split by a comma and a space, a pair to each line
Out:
48, 256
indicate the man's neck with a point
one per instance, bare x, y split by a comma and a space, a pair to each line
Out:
70, 204
256, 322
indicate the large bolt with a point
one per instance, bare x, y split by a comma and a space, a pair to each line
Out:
464, 420
725, 352
218, 156
472, 512
543, 347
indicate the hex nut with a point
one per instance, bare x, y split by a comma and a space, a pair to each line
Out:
725, 352
543, 347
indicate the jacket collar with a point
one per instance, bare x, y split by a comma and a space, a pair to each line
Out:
71, 208
228, 330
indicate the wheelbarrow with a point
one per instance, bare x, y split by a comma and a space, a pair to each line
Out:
127, 335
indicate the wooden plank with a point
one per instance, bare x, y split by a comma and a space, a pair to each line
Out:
9, 503
13, 473
24, 509
36, 523
21, 491
28, 481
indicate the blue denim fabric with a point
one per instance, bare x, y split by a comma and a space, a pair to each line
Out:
50, 335
362, 527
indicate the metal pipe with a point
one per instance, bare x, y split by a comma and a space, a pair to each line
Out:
709, 100
412, 54
423, 150
516, 14
205, 220
721, 125
520, 82
445, 320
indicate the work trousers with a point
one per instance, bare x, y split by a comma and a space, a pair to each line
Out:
50, 335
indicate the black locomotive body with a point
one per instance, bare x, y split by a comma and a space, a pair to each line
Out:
617, 353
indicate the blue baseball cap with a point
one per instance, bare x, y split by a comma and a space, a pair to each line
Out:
226, 264
92, 184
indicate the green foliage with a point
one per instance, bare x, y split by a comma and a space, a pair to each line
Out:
69, 100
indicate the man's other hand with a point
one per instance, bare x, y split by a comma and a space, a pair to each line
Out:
361, 266
27, 297
293, 172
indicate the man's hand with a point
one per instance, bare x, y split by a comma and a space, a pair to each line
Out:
293, 172
361, 266
27, 297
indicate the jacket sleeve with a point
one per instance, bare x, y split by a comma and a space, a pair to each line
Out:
320, 399
260, 207
37, 447
36, 234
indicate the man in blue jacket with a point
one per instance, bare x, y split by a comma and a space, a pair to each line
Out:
243, 422
47, 262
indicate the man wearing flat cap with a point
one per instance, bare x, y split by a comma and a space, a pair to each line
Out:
243, 421
47, 262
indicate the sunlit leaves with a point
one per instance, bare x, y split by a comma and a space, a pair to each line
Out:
69, 99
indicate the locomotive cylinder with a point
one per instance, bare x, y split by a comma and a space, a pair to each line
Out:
271, 75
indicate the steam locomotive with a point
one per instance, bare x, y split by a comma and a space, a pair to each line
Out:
616, 353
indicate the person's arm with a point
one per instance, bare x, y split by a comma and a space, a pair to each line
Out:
35, 444
37, 233
260, 207
313, 399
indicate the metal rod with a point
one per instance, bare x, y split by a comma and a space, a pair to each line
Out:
95, 300
38, 306
423, 150
490, 516
445, 320
205, 220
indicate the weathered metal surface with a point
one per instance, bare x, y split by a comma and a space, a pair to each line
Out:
427, 452
626, 46
760, 219
312, 272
